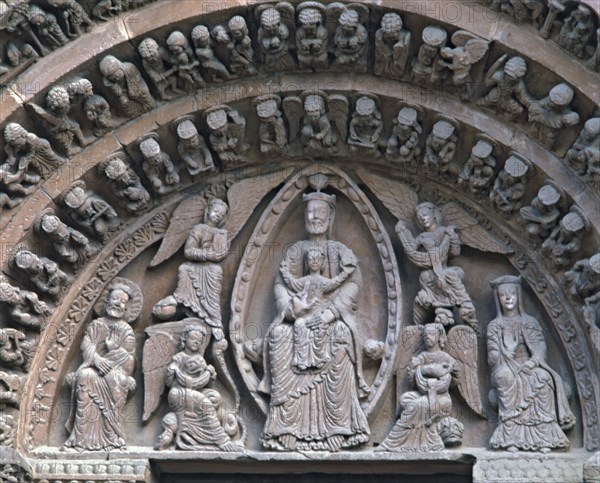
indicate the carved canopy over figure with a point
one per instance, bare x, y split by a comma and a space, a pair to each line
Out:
530, 396
103, 381
315, 394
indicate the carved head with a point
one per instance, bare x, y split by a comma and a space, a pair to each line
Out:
508, 294
270, 19
434, 336
548, 196
591, 129
314, 106
267, 110
195, 338
8, 293
365, 106
428, 215
117, 300
26, 260
482, 150
75, 198
216, 212
515, 68
561, 95
177, 42
150, 149
237, 27
442, 133
149, 49
58, 99
315, 258
15, 134
573, 222
115, 168
37, 16
515, 167
310, 18
50, 223
319, 214
595, 263
112, 68
391, 24
201, 35
349, 21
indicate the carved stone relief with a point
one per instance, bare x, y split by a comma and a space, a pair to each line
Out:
395, 211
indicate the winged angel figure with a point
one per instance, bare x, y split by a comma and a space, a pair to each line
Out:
442, 286
469, 49
318, 120
174, 354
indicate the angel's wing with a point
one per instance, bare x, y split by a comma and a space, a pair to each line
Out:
476, 48
287, 11
409, 345
158, 354
461, 37
462, 345
338, 110
292, 107
244, 196
397, 197
361, 10
189, 213
471, 233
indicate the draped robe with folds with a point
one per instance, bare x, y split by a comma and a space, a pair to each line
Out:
98, 401
316, 408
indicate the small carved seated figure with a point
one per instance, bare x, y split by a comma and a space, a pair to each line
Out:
403, 144
479, 169
274, 37
64, 130
350, 42
15, 349
96, 108
317, 133
425, 423
10, 388
509, 187
154, 59
157, 166
577, 31
194, 423
214, 70
43, 272
71, 245
183, 58
365, 126
551, 115
192, 147
126, 183
90, 211
310, 339
47, 27
584, 278
312, 38
25, 307
75, 16
392, 44
440, 147
505, 78
227, 134
428, 68
584, 155
565, 239
271, 132
106, 7
533, 409
542, 216
240, 48
127, 85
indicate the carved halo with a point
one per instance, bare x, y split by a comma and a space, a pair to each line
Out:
134, 307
